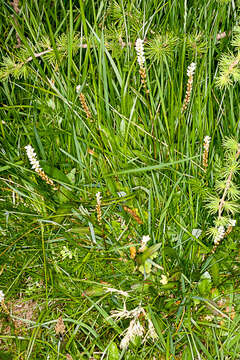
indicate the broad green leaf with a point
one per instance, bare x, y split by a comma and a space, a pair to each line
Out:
113, 352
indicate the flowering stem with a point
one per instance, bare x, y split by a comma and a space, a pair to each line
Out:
207, 140
36, 166
190, 72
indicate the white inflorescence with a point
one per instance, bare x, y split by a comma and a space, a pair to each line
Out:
98, 198
207, 140
78, 88
32, 156
220, 235
120, 292
126, 314
98, 207
190, 72
140, 52
144, 242
1, 296
151, 330
65, 252
206, 144
164, 279
134, 329
191, 69
232, 222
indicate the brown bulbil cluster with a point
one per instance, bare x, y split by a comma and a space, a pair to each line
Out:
60, 327
143, 75
206, 143
133, 214
188, 94
84, 106
133, 252
98, 208
45, 178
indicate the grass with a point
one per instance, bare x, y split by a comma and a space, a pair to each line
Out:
65, 256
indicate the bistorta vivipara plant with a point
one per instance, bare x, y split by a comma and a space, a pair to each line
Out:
125, 221
98, 208
190, 72
32, 156
2, 302
139, 46
83, 102
206, 144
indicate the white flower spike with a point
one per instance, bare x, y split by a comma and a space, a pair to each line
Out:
140, 52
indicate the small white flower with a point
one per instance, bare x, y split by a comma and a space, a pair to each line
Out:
137, 328
98, 197
126, 314
209, 317
144, 242
78, 88
196, 232
125, 342
1, 296
164, 280
232, 222
151, 330
220, 235
145, 239
65, 252
32, 156
140, 52
206, 143
221, 231
121, 193
191, 69
134, 329
206, 275
112, 290
207, 139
